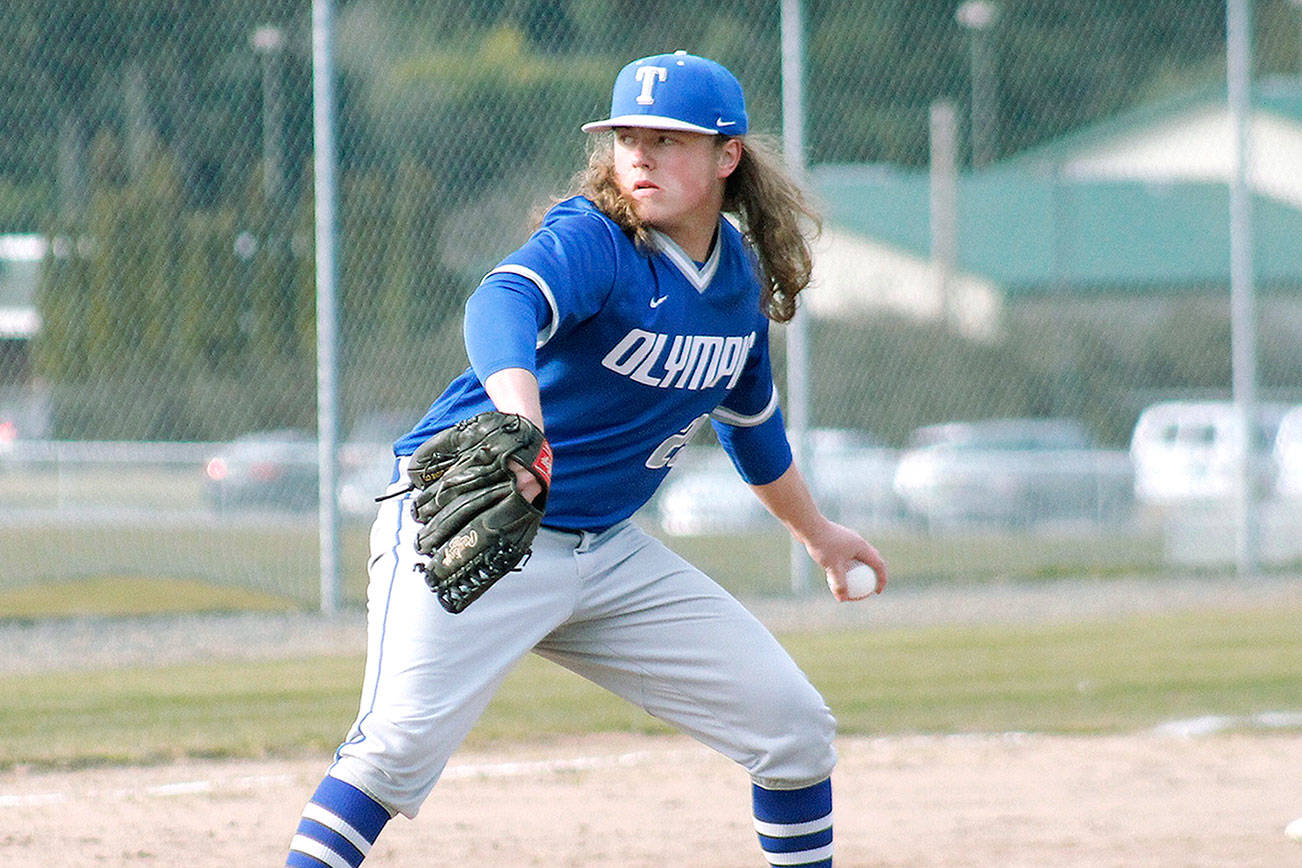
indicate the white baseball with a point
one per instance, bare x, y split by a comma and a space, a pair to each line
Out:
1294, 830
860, 580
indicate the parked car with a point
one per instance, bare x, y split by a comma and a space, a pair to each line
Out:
374, 433
849, 473
270, 469
1011, 472
24, 415
366, 459
1288, 455
365, 480
278, 469
8, 434
1191, 450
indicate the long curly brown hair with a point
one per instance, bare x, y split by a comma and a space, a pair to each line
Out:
773, 212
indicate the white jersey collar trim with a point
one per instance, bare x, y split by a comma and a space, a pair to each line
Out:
697, 277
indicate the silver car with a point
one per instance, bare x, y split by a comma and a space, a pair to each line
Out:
849, 474
274, 470
1012, 472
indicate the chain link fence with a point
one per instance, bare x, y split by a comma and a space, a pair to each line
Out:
1025, 247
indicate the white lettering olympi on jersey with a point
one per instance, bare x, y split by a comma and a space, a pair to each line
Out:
677, 359
629, 352
643, 372
707, 365
692, 361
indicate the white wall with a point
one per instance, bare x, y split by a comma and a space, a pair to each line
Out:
858, 278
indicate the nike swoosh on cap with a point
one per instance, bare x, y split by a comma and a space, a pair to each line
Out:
722, 123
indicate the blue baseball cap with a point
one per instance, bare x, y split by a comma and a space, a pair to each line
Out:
678, 91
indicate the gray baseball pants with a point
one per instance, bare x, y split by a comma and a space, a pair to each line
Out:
618, 608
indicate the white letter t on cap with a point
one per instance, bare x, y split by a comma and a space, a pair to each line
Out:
649, 75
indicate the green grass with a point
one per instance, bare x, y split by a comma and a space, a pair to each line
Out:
117, 595
1091, 677
757, 564
1098, 676
275, 556
278, 556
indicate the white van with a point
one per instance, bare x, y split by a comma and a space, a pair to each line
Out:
1288, 455
1185, 451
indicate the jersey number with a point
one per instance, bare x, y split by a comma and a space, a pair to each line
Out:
671, 449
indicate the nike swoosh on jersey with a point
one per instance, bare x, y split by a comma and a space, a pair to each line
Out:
656, 302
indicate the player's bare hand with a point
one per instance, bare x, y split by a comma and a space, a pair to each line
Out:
865, 576
841, 552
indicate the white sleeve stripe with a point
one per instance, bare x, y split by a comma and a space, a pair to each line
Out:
791, 830
730, 417
537, 280
800, 857
336, 823
318, 851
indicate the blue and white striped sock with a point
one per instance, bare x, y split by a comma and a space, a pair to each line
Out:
339, 826
795, 826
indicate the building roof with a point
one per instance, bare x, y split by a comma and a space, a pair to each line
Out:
1133, 202
1280, 96
1034, 233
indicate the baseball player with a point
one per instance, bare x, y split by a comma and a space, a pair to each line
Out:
635, 313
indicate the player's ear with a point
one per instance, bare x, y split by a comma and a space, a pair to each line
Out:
729, 154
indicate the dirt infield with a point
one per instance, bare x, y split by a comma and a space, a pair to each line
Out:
1000, 800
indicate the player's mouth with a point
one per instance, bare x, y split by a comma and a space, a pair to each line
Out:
644, 185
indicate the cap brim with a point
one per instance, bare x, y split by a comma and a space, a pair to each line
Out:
650, 122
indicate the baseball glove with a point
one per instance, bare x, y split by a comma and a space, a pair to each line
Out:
475, 525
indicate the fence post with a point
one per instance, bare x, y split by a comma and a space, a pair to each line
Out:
1243, 325
793, 145
323, 120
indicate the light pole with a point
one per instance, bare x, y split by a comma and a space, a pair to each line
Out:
979, 17
267, 43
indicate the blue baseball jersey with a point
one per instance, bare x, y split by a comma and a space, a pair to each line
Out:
634, 349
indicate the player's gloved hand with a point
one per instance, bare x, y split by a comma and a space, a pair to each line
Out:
476, 526
525, 481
